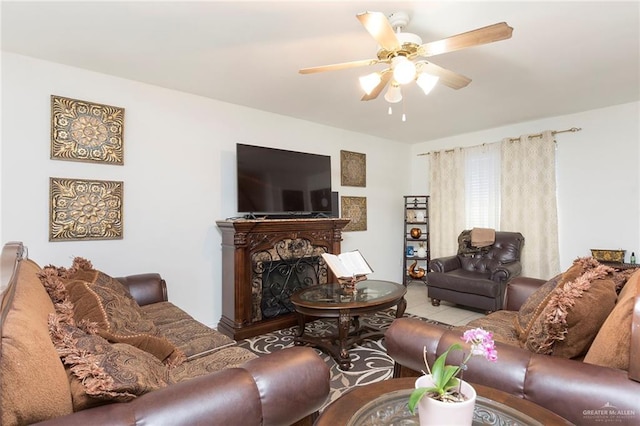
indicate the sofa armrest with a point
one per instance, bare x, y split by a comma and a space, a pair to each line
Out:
634, 349
276, 389
502, 272
518, 291
569, 388
293, 383
146, 288
444, 264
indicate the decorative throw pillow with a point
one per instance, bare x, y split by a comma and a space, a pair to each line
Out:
611, 346
103, 371
533, 306
82, 269
119, 319
574, 312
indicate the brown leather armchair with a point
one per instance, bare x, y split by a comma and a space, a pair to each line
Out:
476, 277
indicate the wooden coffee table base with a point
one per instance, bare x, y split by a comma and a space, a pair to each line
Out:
337, 345
346, 306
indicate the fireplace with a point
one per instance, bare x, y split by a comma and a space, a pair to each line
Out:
282, 278
264, 262
279, 271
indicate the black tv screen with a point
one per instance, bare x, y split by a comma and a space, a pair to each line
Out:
277, 181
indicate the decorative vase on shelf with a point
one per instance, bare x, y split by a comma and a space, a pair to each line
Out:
415, 233
420, 216
432, 412
422, 251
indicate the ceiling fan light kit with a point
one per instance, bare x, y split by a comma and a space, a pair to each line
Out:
401, 50
427, 82
369, 82
404, 70
394, 93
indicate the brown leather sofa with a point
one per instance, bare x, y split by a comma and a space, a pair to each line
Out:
476, 277
580, 392
282, 388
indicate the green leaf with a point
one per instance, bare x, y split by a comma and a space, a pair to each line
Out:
417, 395
442, 373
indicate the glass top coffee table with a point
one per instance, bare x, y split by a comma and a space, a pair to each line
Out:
346, 306
385, 403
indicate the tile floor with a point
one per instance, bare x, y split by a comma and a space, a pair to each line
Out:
418, 303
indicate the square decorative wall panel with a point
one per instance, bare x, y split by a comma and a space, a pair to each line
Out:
353, 169
85, 209
354, 208
86, 131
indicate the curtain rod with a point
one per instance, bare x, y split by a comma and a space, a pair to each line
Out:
537, 135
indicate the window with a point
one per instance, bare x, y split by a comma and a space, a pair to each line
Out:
482, 186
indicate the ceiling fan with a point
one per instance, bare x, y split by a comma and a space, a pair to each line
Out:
403, 52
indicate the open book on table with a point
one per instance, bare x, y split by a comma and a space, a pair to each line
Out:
348, 266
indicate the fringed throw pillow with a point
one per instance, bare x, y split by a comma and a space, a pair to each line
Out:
573, 312
100, 371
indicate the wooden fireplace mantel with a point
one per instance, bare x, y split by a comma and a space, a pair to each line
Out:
244, 237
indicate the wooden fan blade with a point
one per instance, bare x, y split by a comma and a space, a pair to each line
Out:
341, 66
495, 32
377, 24
384, 79
448, 78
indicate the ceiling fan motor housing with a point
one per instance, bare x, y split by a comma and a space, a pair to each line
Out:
409, 42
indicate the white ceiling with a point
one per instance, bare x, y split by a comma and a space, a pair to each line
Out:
564, 57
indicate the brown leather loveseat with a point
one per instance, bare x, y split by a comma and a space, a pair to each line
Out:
601, 385
224, 385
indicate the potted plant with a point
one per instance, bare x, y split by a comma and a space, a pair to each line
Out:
440, 396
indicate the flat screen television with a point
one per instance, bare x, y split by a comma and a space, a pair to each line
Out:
279, 182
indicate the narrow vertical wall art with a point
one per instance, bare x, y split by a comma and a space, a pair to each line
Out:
354, 208
353, 169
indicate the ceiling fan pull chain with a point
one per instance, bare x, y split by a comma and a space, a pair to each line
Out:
404, 115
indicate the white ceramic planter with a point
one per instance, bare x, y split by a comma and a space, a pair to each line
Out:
436, 413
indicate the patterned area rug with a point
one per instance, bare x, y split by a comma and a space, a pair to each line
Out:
370, 360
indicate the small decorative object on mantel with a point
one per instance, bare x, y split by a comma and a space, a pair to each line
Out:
614, 256
354, 208
86, 131
442, 398
353, 169
85, 209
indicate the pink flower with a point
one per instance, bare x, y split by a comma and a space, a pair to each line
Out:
481, 343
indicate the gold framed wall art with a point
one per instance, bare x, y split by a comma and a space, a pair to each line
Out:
85, 209
86, 131
354, 208
353, 169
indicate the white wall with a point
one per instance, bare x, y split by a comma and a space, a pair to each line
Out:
179, 178
598, 178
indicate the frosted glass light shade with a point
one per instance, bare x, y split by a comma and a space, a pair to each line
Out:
404, 70
394, 93
427, 82
369, 82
